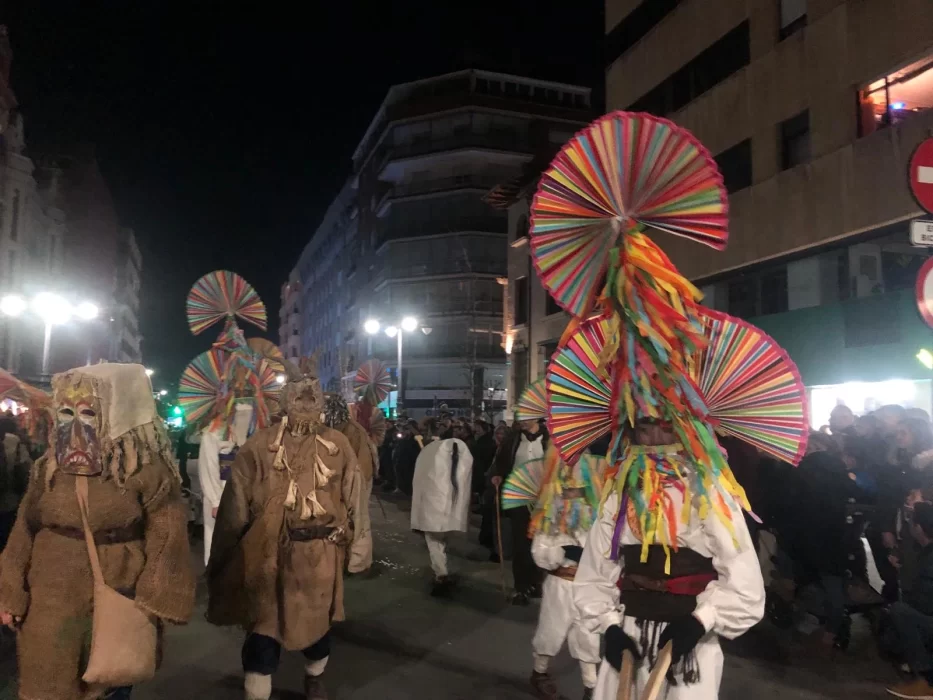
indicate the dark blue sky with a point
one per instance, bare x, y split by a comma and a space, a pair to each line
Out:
224, 133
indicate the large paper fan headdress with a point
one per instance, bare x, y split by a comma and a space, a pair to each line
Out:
222, 295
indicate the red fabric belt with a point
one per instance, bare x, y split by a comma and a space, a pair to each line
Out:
691, 585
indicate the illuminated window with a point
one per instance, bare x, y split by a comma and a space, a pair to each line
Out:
896, 97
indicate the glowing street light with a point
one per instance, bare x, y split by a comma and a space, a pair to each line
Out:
149, 371
53, 309
163, 392
407, 324
280, 379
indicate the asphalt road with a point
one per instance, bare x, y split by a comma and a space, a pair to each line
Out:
399, 643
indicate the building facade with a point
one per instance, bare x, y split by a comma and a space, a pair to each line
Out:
428, 245
812, 109
290, 326
125, 337
32, 225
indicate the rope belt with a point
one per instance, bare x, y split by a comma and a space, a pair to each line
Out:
120, 535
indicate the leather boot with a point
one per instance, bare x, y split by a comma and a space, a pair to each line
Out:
544, 686
314, 688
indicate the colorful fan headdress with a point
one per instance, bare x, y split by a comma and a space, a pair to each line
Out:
373, 381
234, 368
569, 496
532, 404
621, 177
222, 295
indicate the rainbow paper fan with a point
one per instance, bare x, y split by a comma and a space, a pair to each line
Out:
268, 351
201, 388
523, 485
624, 170
752, 388
373, 381
532, 404
223, 294
579, 390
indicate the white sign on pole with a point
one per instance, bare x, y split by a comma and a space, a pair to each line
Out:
921, 233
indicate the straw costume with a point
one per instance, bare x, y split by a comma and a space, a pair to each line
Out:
669, 559
337, 416
106, 429
283, 527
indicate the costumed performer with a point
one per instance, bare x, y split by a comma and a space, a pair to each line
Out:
564, 513
337, 416
525, 442
218, 448
440, 501
107, 431
284, 523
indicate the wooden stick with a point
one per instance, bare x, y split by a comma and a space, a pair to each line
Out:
499, 535
626, 676
656, 679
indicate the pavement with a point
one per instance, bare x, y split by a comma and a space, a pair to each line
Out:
399, 643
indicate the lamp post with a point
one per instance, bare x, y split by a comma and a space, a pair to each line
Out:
53, 310
408, 324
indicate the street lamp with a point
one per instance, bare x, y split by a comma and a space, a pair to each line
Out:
53, 310
408, 324
149, 371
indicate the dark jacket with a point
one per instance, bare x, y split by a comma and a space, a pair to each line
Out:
505, 456
920, 595
484, 452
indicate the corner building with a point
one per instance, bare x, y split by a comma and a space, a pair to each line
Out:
812, 110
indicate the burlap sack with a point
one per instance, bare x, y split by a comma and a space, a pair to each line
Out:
124, 639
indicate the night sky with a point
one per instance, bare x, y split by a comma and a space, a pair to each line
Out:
224, 133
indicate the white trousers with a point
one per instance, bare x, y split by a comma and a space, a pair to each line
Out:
437, 550
558, 622
361, 551
709, 660
209, 521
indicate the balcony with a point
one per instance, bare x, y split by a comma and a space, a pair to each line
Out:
501, 146
393, 230
426, 187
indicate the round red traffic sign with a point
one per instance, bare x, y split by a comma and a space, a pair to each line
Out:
924, 291
921, 174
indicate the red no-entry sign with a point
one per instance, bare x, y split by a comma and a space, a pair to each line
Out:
921, 174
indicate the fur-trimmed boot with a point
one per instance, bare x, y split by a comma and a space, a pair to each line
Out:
257, 686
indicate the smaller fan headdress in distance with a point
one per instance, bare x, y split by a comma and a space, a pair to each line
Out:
373, 381
523, 484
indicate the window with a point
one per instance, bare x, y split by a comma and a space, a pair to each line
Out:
520, 365
547, 351
896, 97
795, 140
520, 312
521, 229
550, 306
728, 55
774, 298
14, 222
735, 164
742, 297
645, 17
793, 17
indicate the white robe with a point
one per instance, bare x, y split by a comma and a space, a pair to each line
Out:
528, 450
728, 607
559, 620
434, 506
212, 488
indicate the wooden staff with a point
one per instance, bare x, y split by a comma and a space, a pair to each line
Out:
499, 536
626, 676
658, 672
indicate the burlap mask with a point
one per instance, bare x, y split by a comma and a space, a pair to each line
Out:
302, 397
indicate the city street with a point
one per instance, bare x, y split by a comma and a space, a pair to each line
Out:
399, 643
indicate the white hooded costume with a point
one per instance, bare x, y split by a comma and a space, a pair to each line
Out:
729, 605
209, 469
441, 496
